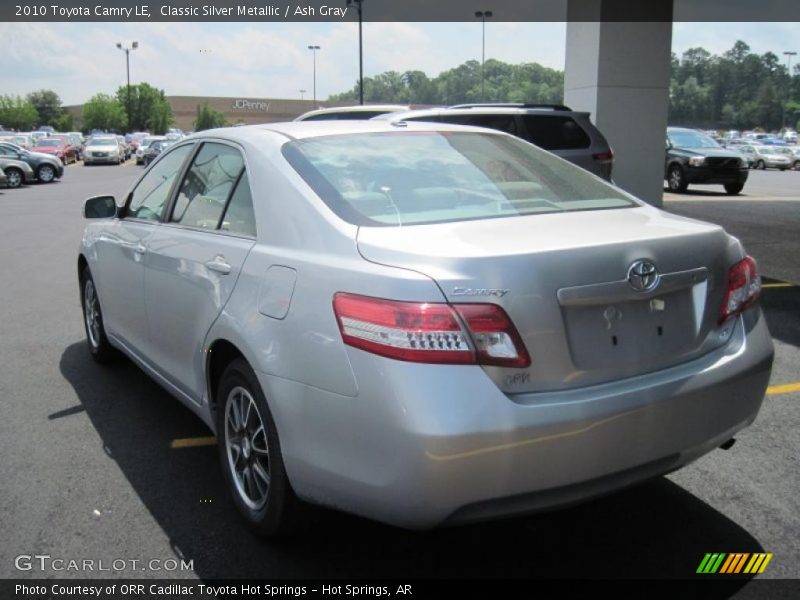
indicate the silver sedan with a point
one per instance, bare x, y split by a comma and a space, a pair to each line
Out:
420, 323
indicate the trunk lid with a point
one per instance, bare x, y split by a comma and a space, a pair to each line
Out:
563, 279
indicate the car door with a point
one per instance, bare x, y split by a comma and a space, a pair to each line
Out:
121, 249
194, 260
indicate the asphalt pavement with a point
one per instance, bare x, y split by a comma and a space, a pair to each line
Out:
91, 470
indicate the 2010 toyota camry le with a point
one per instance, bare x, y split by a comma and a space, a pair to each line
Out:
423, 324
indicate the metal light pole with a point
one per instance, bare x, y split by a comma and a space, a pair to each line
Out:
358, 4
483, 15
314, 52
788, 55
128, 51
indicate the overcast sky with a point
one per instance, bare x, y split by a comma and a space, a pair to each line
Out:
271, 60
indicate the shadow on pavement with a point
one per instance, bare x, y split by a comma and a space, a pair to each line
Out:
656, 530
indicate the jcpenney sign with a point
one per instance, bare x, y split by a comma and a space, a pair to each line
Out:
242, 104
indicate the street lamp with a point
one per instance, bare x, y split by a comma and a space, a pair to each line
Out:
358, 4
483, 15
788, 54
128, 51
314, 52
301, 94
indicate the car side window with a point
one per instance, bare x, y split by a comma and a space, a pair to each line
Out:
505, 123
554, 132
208, 184
148, 199
239, 216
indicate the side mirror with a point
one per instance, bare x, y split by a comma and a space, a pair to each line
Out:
100, 207
669, 144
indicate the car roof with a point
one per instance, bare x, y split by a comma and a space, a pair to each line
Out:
354, 108
310, 129
476, 110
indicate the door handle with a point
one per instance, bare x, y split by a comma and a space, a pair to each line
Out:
218, 265
140, 249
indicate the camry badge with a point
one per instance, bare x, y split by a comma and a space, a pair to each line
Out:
643, 276
498, 293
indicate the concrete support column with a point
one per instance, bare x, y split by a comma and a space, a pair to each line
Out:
619, 72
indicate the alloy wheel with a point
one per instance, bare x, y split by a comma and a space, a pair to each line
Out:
246, 448
46, 174
14, 178
91, 312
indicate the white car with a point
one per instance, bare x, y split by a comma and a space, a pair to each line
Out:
103, 150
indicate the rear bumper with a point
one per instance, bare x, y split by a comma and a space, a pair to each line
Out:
423, 445
715, 176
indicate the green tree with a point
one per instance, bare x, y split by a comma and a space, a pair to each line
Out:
104, 112
47, 105
16, 113
208, 118
65, 122
149, 109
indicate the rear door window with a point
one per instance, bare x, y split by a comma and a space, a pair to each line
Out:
554, 132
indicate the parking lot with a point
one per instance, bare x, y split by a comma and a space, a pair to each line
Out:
100, 462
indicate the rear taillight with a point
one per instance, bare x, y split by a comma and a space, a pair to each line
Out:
430, 332
743, 289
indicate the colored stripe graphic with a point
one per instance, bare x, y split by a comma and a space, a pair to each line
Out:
734, 563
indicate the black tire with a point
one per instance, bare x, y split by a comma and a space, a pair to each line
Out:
676, 180
796, 165
733, 188
96, 339
46, 174
14, 177
761, 165
276, 510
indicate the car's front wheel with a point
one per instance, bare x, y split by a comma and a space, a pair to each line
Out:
250, 454
96, 339
761, 165
14, 177
46, 174
676, 180
733, 188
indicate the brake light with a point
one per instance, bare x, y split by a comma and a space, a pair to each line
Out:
430, 332
744, 287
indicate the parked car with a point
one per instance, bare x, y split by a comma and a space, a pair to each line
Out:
38, 135
795, 157
103, 149
140, 150
421, 324
3, 180
553, 127
772, 157
358, 112
59, 147
790, 137
23, 140
748, 153
154, 149
693, 157
124, 147
16, 172
47, 167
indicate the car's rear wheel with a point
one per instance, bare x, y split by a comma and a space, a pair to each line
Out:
796, 165
250, 454
46, 174
96, 338
676, 180
733, 188
14, 177
761, 165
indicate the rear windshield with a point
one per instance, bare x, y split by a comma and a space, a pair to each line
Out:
416, 177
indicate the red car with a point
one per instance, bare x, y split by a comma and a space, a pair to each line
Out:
58, 146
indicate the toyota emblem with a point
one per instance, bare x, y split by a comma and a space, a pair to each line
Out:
643, 276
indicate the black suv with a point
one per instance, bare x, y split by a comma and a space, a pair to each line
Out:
553, 127
694, 157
